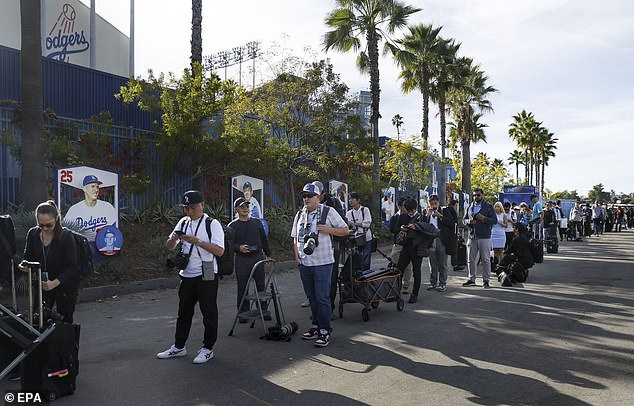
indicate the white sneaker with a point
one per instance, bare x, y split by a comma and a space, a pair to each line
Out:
172, 352
203, 356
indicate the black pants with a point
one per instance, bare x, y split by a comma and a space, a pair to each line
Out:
334, 278
509, 238
409, 255
244, 266
194, 290
65, 301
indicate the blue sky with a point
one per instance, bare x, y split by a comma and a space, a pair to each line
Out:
567, 61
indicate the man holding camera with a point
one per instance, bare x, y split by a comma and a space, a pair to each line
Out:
442, 220
198, 273
313, 228
480, 218
360, 218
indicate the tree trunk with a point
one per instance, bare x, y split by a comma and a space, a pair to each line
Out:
466, 167
375, 90
425, 88
517, 173
443, 139
197, 39
33, 177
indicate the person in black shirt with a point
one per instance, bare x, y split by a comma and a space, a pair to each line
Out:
54, 248
519, 252
250, 241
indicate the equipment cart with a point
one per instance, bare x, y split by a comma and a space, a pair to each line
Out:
369, 287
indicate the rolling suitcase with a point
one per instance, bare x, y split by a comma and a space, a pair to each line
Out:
461, 254
47, 348
537, 249
552, 245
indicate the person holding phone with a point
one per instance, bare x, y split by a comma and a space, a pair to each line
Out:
54, 248
250, 242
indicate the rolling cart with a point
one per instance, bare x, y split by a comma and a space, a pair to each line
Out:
369, 287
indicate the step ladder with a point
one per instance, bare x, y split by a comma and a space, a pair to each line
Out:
256, 298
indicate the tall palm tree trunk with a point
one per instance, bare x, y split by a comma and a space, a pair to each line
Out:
425, 85
517, 173
375, 90
33, 176
466, 166
443, 140
196, 57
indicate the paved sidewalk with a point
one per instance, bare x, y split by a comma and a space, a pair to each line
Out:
564, 338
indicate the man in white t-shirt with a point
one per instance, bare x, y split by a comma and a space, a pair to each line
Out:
92, 213
202, 240
360, 218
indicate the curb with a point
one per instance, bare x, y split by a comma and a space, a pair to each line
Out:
102, 292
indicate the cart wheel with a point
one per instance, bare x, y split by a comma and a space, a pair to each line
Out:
365, 314
400, 305
375, 305
340, 311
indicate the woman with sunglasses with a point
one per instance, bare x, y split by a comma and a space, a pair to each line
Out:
54, 248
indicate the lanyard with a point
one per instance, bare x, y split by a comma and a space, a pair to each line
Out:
45, 250
196, 234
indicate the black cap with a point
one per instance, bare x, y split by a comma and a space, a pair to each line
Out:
240, 201
192, 197
355, 195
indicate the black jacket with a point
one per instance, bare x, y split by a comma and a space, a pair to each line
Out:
520, 248
447, 224
59, 259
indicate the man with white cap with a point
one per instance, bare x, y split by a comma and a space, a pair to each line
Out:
92, 213
312, 230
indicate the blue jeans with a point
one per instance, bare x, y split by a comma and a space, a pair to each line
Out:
597, 226
316, 282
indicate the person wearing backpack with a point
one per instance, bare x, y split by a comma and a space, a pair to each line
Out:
54, 248
313, 228
198, 274
360, 218
250, 240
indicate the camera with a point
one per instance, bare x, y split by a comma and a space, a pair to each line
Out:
178, 261
283, 332
311, 241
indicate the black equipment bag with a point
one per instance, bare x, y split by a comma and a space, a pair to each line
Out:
226, 262
52, 367
7, 246
83, 251
461, 253
537, 250
552, 245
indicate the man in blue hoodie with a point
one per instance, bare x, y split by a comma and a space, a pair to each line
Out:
479, 217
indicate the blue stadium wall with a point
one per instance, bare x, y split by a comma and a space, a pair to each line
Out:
73, 91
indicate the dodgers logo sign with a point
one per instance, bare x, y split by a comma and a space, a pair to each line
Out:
63, 39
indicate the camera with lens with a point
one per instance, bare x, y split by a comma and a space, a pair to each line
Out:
282, 333
178, 261
311, 241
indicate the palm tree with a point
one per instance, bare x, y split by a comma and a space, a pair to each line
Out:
397, 121
524, 131
416, 56
467, 102
545, 150
445, 63
516, 158
33, 176
197, 39
373, 21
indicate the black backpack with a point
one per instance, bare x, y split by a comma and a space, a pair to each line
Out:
225, 262
83, 252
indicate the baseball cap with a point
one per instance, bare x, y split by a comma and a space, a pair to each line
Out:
247, 184
355, 195
320, 186
192, 197
311, 189
91, 179
240, 201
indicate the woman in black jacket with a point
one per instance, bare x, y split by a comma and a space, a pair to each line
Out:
519, 252
54, 248
410, 250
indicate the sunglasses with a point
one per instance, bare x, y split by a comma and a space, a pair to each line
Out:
307, 196
477, 195
46, 225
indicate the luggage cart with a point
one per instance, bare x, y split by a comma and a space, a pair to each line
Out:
369, 287
256, 298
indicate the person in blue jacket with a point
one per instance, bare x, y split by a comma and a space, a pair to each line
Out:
480, 218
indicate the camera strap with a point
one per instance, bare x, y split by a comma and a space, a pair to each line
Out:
191, 246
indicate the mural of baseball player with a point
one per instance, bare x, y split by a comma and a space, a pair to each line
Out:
108, 240
387, 205
252, 191
91, 213
340, 191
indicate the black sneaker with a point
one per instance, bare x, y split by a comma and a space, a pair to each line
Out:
431, 287
485, 284
323, 339
469, 282
413, 299
311, 334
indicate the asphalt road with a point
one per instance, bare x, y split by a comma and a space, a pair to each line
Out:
564, 338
